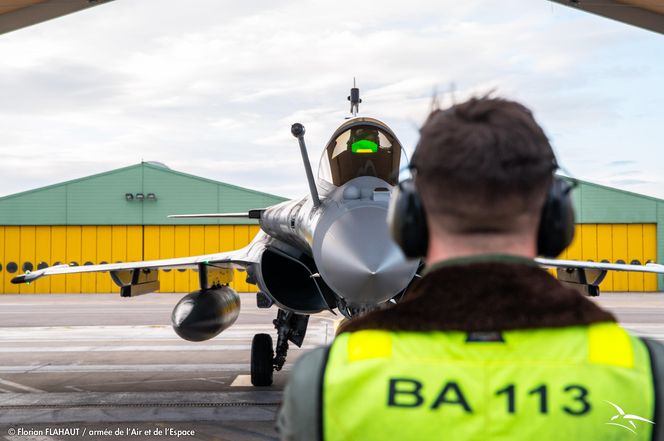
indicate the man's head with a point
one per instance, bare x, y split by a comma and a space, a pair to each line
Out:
483, 168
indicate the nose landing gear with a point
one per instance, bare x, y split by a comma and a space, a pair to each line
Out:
262, 357
264, 361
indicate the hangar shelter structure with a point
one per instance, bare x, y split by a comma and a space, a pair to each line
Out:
121, 216
618, 226
17, 14
646, 14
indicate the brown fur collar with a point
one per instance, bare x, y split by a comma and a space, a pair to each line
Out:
487, 296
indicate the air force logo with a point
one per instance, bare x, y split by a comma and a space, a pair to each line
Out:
625, 420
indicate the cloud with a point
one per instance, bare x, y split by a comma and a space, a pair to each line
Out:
213, 89
57, 86
629, 182
621, 163
626, 173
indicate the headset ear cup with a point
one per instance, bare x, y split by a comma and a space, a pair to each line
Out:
556, 229
407, 220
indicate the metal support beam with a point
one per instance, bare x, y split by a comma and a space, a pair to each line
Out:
634, 12
22, 13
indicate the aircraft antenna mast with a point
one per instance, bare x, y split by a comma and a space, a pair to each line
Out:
354, 99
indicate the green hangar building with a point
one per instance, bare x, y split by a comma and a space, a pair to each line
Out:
619, 227
121, 216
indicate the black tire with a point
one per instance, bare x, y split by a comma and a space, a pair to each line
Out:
262, 356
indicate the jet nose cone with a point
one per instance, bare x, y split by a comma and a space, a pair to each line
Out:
359, 260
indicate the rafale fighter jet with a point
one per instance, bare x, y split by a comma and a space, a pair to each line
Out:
328, 250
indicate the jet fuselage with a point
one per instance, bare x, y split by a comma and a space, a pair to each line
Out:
347, 234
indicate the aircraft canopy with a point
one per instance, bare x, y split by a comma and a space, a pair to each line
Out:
362, 147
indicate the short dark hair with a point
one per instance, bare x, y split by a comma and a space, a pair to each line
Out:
482, 163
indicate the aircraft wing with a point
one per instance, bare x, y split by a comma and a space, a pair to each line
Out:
647, 268
587, 276
135, 278
17, 14
251, 214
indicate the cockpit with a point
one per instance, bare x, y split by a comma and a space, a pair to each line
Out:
361, 147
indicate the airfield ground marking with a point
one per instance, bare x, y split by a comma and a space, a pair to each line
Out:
336, 324
167, 380
242, 381
19, 386
213, 380
151, 348
88, 368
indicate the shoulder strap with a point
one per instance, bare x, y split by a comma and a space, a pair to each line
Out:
656, 351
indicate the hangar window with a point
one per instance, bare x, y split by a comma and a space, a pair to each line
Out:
635, 262
27, 266
73, 263
57, 262
12, 267
647, 262
0, 267
88, 263
182, 270
620, 261
605, 261
42, 265
103, 262
166, 270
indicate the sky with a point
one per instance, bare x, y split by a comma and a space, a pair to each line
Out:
211, 87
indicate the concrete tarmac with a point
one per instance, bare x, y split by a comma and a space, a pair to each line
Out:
103, 367
84, 363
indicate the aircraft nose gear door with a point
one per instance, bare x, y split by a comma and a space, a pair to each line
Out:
264, 361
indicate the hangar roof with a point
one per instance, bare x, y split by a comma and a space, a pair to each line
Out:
103, 199
17, 14
595, 203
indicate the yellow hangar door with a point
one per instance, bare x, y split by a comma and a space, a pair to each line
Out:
617, 243
27, 248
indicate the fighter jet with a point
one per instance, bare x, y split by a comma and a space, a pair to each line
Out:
329, 250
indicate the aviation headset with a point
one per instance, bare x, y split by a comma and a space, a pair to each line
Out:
408, 223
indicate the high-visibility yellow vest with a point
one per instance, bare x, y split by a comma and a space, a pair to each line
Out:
575, 383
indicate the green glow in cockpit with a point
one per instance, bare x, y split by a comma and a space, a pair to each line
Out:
364, 146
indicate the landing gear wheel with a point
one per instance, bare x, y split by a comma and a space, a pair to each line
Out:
262, 359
